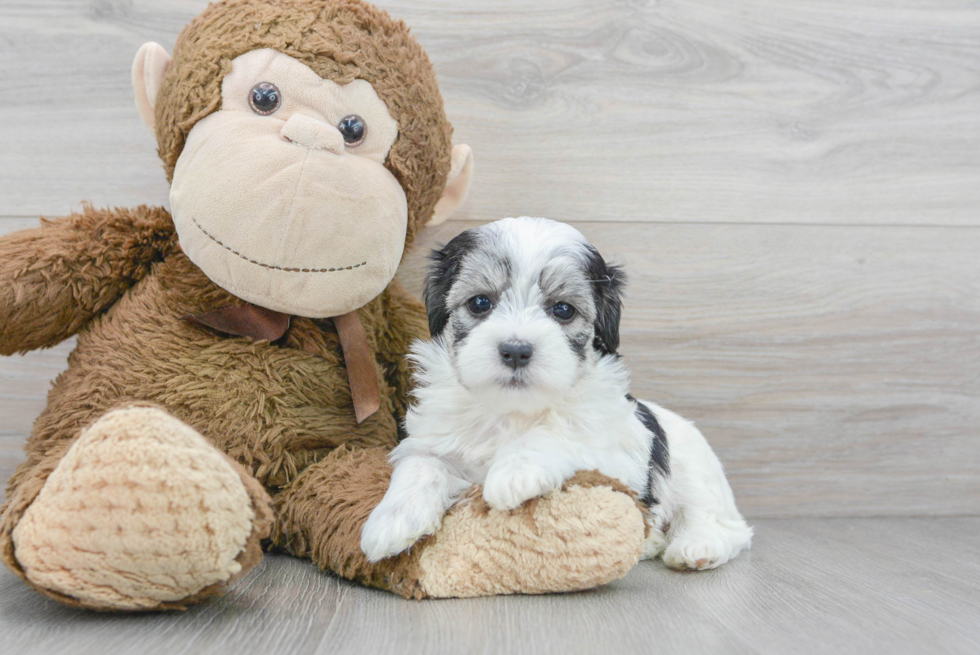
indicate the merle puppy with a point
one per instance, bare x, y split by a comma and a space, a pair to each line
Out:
521, 386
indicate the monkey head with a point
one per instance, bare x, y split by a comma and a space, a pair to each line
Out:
306, 144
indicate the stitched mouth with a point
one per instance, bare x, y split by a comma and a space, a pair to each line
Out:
273, 266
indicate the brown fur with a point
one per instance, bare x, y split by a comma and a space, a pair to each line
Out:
341, 40
274, 409
283, 412
59, 276
321, 515
282, 407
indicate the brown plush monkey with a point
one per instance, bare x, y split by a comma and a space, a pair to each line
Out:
240, 371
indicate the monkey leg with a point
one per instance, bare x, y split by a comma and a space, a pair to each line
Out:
139, 512
588, 534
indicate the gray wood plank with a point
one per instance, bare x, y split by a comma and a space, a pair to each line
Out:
760, 111
834, 369
862, 586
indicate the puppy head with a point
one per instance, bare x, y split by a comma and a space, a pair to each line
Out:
523, 306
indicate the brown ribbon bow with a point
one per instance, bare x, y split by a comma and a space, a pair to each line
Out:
263, 324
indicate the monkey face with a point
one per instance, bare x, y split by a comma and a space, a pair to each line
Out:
281, 196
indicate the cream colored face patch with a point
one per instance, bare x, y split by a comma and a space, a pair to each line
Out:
274, 204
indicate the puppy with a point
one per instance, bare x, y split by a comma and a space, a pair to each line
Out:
521, 386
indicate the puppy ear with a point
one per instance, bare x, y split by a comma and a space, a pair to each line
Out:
608, 282
442, 274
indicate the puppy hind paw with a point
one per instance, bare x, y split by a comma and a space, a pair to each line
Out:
698, 551
654, 544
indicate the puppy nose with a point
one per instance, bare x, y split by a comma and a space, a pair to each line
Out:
307, 131
516, 354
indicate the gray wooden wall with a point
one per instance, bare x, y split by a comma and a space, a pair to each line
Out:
794, 188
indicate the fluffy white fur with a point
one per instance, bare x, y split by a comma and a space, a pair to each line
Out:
521, 432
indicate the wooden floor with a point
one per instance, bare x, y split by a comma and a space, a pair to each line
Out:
863, 586
794, 188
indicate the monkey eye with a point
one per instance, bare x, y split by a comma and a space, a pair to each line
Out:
563, 311
479, 305
264, 98
353, 129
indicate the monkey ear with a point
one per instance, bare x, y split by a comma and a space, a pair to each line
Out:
149, 67
457, 186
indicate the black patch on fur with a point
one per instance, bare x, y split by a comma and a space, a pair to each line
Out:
578, 344
659, 452
442, 273
460, 332
608, 282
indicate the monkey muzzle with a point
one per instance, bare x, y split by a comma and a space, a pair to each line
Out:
280, 215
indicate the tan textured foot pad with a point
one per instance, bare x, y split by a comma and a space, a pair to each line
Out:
142, 513
576, 539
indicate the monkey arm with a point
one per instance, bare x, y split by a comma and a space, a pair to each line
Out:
589, 533
55, 278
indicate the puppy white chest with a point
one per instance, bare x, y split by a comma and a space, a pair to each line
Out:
612, 442
521, 387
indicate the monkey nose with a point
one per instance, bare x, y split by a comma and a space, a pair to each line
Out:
307, 131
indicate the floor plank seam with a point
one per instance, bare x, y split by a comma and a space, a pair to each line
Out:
336, 612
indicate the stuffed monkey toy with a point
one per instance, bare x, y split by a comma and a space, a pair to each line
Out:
240, 372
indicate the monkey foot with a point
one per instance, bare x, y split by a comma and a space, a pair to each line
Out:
584, 536
142, 513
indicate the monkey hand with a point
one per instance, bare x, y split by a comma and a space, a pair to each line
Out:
586, 534
56, 277
582, 536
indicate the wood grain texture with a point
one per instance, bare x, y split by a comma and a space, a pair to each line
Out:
866, 586
585, 110
834, 369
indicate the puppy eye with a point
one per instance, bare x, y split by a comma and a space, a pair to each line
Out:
353, 129
563, 311
264, 98
479, 305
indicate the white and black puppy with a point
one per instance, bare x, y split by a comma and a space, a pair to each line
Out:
521, 386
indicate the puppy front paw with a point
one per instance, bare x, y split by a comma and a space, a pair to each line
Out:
508, 485
393, 527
